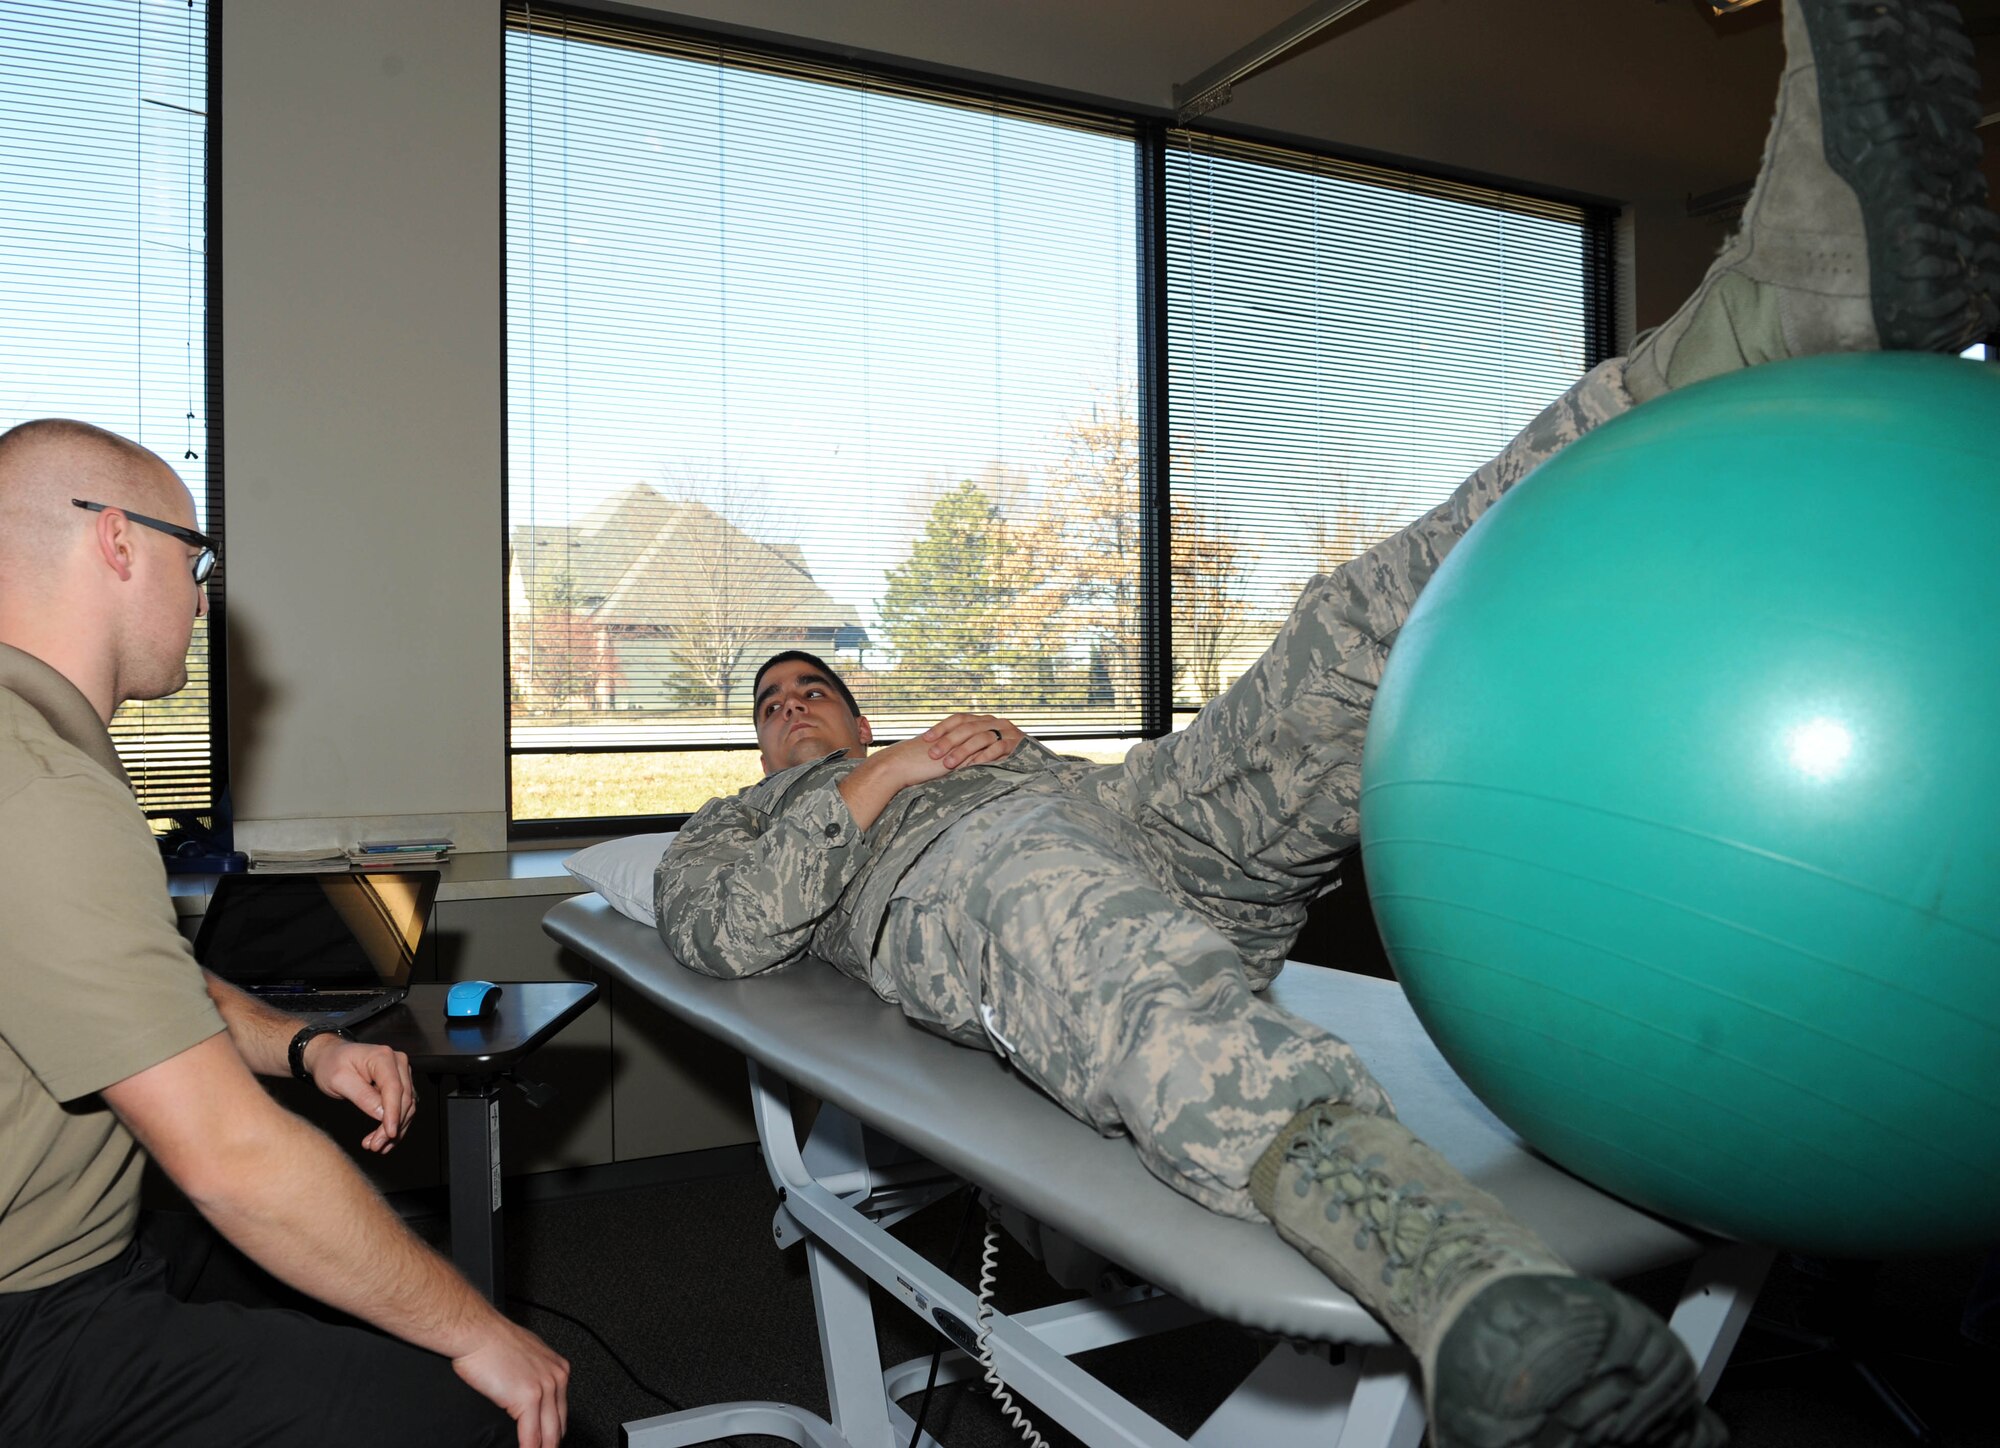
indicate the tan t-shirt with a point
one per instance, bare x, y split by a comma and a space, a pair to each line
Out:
96, 984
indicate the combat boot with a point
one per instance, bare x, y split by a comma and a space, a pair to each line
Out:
1513, 1347
1867, 227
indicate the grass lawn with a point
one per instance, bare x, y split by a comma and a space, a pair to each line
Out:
588, 786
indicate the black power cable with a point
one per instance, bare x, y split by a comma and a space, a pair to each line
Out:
673, 1405
645, 1387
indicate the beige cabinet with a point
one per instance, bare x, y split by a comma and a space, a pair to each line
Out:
633, 1082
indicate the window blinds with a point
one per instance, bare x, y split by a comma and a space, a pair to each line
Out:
1344, 344
803, 356
103, 204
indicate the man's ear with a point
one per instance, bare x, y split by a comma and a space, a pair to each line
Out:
864, 729
113, 536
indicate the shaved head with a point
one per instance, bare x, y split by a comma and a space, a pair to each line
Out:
68, 430
44, 464
106, 600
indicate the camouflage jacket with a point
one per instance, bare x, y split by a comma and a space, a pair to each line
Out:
778, 871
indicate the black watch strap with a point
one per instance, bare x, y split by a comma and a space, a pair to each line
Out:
296, 1052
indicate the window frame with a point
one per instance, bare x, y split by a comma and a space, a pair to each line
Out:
1152, 131
213, 513
209, 831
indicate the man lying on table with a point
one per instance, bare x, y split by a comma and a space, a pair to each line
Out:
1109, 928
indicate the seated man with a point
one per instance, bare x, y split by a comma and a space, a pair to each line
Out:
113, 1049
1108, 928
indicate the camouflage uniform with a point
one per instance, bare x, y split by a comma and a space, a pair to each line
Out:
1107, 928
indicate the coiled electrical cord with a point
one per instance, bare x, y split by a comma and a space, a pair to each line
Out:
989, 1257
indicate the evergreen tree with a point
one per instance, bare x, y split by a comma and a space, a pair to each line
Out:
946, 606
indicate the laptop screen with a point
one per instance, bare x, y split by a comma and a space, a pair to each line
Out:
324, 931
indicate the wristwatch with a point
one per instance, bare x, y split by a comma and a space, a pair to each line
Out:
296, 1052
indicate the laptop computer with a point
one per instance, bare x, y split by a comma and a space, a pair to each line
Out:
332, 948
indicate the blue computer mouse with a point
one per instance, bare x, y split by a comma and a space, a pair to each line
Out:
469, 999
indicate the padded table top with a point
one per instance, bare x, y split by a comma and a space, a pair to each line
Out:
966, 1111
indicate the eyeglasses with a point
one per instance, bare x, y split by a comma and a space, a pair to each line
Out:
203, 563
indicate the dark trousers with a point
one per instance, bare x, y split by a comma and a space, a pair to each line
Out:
112, 1357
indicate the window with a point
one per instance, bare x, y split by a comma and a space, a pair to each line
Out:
103, 261
815, 355
1344, 345
805, 358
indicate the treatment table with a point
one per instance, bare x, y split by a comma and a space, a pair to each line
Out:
906, 1115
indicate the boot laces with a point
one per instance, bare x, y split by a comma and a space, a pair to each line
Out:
1430, 1245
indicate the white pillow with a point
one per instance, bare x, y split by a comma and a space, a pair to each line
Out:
622, 872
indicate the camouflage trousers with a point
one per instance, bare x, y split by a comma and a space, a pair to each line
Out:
1112, 943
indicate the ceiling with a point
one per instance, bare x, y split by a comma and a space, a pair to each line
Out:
1640, 102
1614, 98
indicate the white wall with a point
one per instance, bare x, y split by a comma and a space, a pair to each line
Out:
361, 415
361, 304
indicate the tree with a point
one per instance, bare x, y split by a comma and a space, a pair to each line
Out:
1027, 592
946, 608
1094, 507
558, 657
1086, 542
677, 596
735, 589
1205, 611
1344, 522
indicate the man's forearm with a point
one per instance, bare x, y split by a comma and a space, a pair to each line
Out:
338, 1242
261, 1034
284, 1194
953, 742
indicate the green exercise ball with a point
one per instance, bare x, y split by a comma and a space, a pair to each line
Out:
1681, 806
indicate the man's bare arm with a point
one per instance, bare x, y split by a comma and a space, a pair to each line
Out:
286, 1196
953, 742
375, 1078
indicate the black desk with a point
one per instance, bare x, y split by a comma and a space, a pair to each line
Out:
476, 1055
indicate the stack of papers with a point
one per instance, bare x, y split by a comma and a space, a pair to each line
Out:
297, 862
398, 854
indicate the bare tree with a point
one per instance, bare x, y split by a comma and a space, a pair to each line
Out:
721, 589
1076, 551
1206, 612
679, 596
1341, 522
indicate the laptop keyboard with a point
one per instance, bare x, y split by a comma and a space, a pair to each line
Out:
322, 1000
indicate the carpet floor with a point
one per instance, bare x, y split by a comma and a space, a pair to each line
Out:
674, 1295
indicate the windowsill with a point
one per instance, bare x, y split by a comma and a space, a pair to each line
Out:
484, 875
